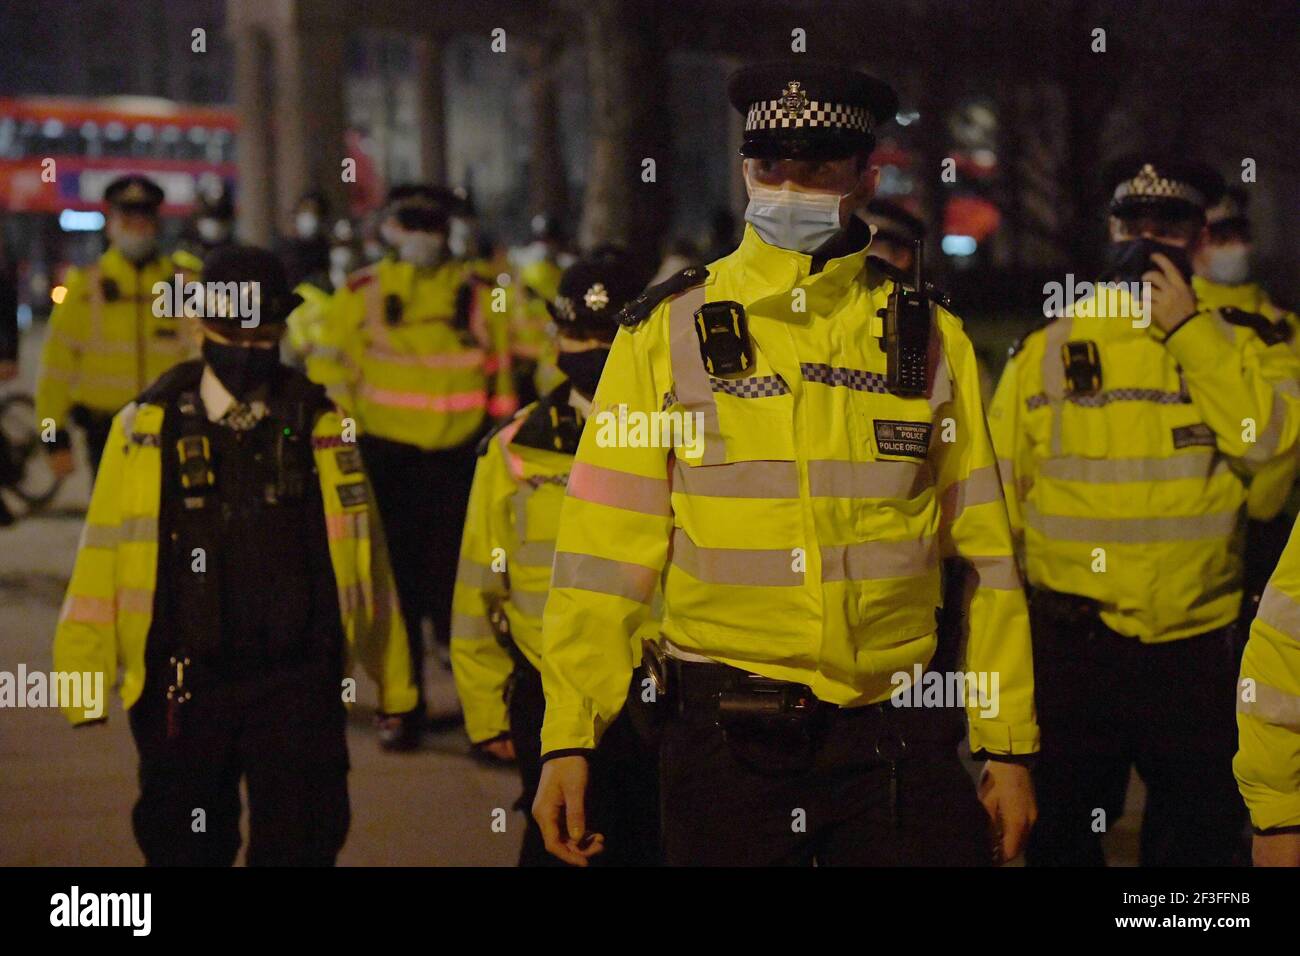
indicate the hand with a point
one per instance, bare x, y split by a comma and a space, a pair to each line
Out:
560, 810
1007, 793
8, 370
61, 462
1172, 299
1276, 849
502, 749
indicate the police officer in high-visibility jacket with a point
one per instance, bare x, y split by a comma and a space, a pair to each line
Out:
1267, 764
231, 564
1122, 430
423, 381
1223, 281
106, 339
505, 573
797, 502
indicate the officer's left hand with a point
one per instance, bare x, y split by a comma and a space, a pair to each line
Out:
1007, 793
1172, 299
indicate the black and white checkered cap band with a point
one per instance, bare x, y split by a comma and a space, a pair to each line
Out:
773, 114
1148, 185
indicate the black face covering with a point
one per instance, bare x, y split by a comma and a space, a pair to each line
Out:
242, 370
583, 368
1127, 260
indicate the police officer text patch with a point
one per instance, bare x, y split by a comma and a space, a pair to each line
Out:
1190, 435
353, 493
911, 439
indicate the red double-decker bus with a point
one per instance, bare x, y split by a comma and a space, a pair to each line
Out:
183, 148
57, 156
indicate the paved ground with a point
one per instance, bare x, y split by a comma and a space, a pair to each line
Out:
66, 796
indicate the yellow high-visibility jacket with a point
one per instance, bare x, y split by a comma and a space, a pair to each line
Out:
801, 537
1271, 489
109, 604
305, 327
392, 350
105, 343
506, 553
1267, 764
1130, 494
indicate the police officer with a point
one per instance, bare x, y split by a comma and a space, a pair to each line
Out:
212, 226
1121, 432
1267, 764
227, 564
106, 340
797, 501
505, 572
1223, 281
422, 380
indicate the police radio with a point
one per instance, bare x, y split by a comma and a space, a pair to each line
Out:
907, 333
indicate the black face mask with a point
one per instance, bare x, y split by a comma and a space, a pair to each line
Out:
583, 368
1128, 259
242, 370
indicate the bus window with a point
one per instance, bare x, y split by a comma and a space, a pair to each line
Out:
115, 141
170, 146
9, 146
91, 143
142, 143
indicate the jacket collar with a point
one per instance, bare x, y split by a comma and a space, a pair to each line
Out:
553, 424
769, 270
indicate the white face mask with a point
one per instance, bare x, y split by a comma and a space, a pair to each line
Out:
1228, 265
137, 247
791, 219
306, 224
213, 230
420, 249
462, 239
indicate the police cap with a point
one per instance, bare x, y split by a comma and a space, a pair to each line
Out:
422, 207
134, 193
591, 293
1174, 188
809, 109
249, 264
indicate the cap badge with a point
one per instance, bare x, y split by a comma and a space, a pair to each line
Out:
794, 99
564, 306
596, 298
1146, 180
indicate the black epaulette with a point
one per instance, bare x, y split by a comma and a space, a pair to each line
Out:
180, 378
639, 309
1272, 333
1019, 343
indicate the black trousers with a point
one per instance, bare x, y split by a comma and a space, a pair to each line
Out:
96, 426
622, 795
1107, 703
422, 498
284, 735
726, 801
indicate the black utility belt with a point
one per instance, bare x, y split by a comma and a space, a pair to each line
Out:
705, 686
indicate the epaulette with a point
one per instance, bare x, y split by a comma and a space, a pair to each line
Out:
1019, 343
639, 309
187, 261
1272, 333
